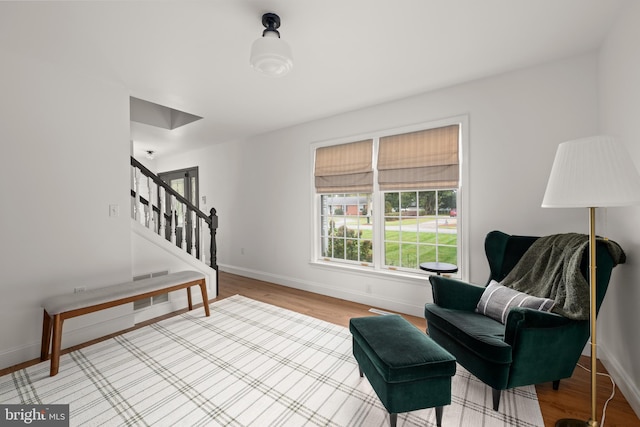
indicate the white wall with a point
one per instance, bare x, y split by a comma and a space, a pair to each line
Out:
65, 147
619, 83
261, 186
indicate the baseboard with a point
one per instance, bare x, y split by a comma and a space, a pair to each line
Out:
621, 378
331, 291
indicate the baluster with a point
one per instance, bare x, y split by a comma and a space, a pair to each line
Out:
183, 243
174, 219
136, 179
213, 245
162, 223
132, 184
202, 254
148, 211
156, 204
193, 233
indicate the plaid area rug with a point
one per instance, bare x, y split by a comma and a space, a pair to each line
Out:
249, 364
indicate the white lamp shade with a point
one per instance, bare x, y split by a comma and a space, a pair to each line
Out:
271, 55
592, 172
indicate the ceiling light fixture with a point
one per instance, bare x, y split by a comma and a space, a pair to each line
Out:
270, 54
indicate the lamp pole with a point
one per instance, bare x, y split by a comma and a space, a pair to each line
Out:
592, 317
588, 173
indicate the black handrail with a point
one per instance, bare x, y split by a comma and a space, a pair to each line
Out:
211, 220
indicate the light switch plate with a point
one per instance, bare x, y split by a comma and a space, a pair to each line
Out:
114, 211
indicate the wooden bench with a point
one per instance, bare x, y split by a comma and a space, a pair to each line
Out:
59, 308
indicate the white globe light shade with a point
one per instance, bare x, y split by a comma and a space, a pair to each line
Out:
271, 55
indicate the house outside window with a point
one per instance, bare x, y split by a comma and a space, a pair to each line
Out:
346, 227
392, 201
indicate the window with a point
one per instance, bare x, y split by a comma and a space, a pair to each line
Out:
390, 201
420, 226
346, 231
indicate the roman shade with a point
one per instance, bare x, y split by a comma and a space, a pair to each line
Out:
425, 159
345, 168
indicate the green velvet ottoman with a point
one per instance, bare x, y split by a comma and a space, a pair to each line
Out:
406, 368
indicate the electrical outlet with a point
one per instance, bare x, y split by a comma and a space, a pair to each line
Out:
79, 289
114, 211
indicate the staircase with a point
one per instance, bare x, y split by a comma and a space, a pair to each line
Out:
163, 211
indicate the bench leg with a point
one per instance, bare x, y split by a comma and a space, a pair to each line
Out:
439, 416
189, 298
46, 336
57, 342
205, 297
393, 419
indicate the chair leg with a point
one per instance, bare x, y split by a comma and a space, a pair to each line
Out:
496, 398
439, 416
556, 384
393, 419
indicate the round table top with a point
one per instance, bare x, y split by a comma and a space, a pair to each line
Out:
439, 267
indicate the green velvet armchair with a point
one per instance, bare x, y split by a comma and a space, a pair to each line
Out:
532, 347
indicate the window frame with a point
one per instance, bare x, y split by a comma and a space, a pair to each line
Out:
378, 265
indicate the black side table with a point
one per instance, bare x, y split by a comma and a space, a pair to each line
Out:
439, 267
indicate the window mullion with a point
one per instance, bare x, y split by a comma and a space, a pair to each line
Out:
378, 213
437, 225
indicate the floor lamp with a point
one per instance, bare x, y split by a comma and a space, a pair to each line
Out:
591, 173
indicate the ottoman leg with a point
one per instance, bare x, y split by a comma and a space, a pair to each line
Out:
393, 419
439, 416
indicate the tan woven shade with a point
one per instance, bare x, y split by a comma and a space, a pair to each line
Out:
345, 168
419, 160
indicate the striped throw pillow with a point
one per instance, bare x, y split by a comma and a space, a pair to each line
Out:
497, 300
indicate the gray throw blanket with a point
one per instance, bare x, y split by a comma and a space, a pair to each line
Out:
551, 269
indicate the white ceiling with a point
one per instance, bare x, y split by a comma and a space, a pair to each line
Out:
348, 54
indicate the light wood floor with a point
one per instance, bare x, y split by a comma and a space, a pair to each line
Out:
571, 400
